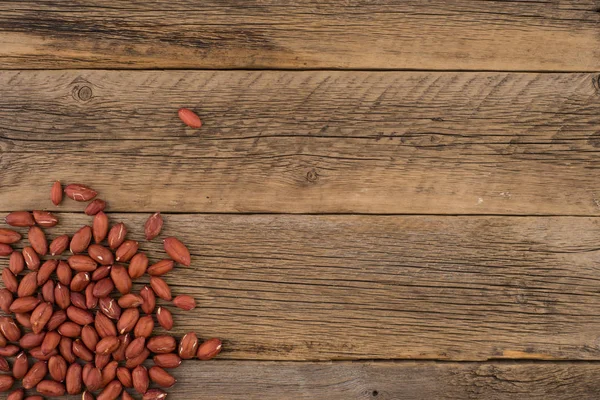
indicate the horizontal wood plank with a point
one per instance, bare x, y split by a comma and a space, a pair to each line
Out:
553, 35
305, 142
234, 380
385, 287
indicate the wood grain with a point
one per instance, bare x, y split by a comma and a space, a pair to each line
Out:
306, 142
284, 287
386, 381
553, 35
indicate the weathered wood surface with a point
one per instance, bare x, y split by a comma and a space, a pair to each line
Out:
241, 380
306, 142
284, 287
553, 35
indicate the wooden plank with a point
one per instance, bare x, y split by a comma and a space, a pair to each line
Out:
305, 142
385, 380
248, 380
553, 35
284, 287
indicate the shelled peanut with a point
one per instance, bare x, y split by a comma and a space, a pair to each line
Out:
78, 318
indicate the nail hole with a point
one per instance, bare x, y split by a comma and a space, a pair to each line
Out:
375, 393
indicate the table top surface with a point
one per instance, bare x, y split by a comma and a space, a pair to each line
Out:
387, 199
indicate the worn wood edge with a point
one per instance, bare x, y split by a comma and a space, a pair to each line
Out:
316, 142
283, 287
432, 35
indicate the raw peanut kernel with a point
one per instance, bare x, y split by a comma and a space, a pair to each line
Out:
59, 245
5, 250
20, 218
45, 219
161, 267
138, 265
116, 236
79, 192
8, 236
100, 227
95, 207
56, 193
126, 251
189, 118
161, 288
188, 345
164, 317
177, 251
38, 241
209, 349
81, 240
153, 226
161, 377
184, 302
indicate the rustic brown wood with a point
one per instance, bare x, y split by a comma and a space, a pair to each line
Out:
284, 287
553, 35
386, 381
305, 142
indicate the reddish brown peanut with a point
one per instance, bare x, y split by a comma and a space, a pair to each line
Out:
167, 360
56, 193
100, 227
37, 240
59, 245
16, 263
128, 300
161, 377
161, 344
45, 271
5, 250
20, 366
64, 273
184, 302
110, 308
144, 327
80, 192
18, 394
116, 236
6, 299
20, 219
111, 391
8, 236
32, 260
95, 207
189, 118
73, 380
188, 345
81, 240
6, 382
164, 318
57, 367
209, 349
36, 373
140, 379
128, 319
149, 300
121, 279
161, 267
100, 254
126, 250
177, 251
124, 376
138, 265
82, 263
153, 226
161, 288
45, 219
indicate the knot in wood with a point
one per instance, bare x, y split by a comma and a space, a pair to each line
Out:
312, 175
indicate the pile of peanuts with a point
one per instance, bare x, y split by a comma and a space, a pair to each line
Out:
78, 319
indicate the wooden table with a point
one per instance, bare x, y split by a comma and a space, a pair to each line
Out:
387, 200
